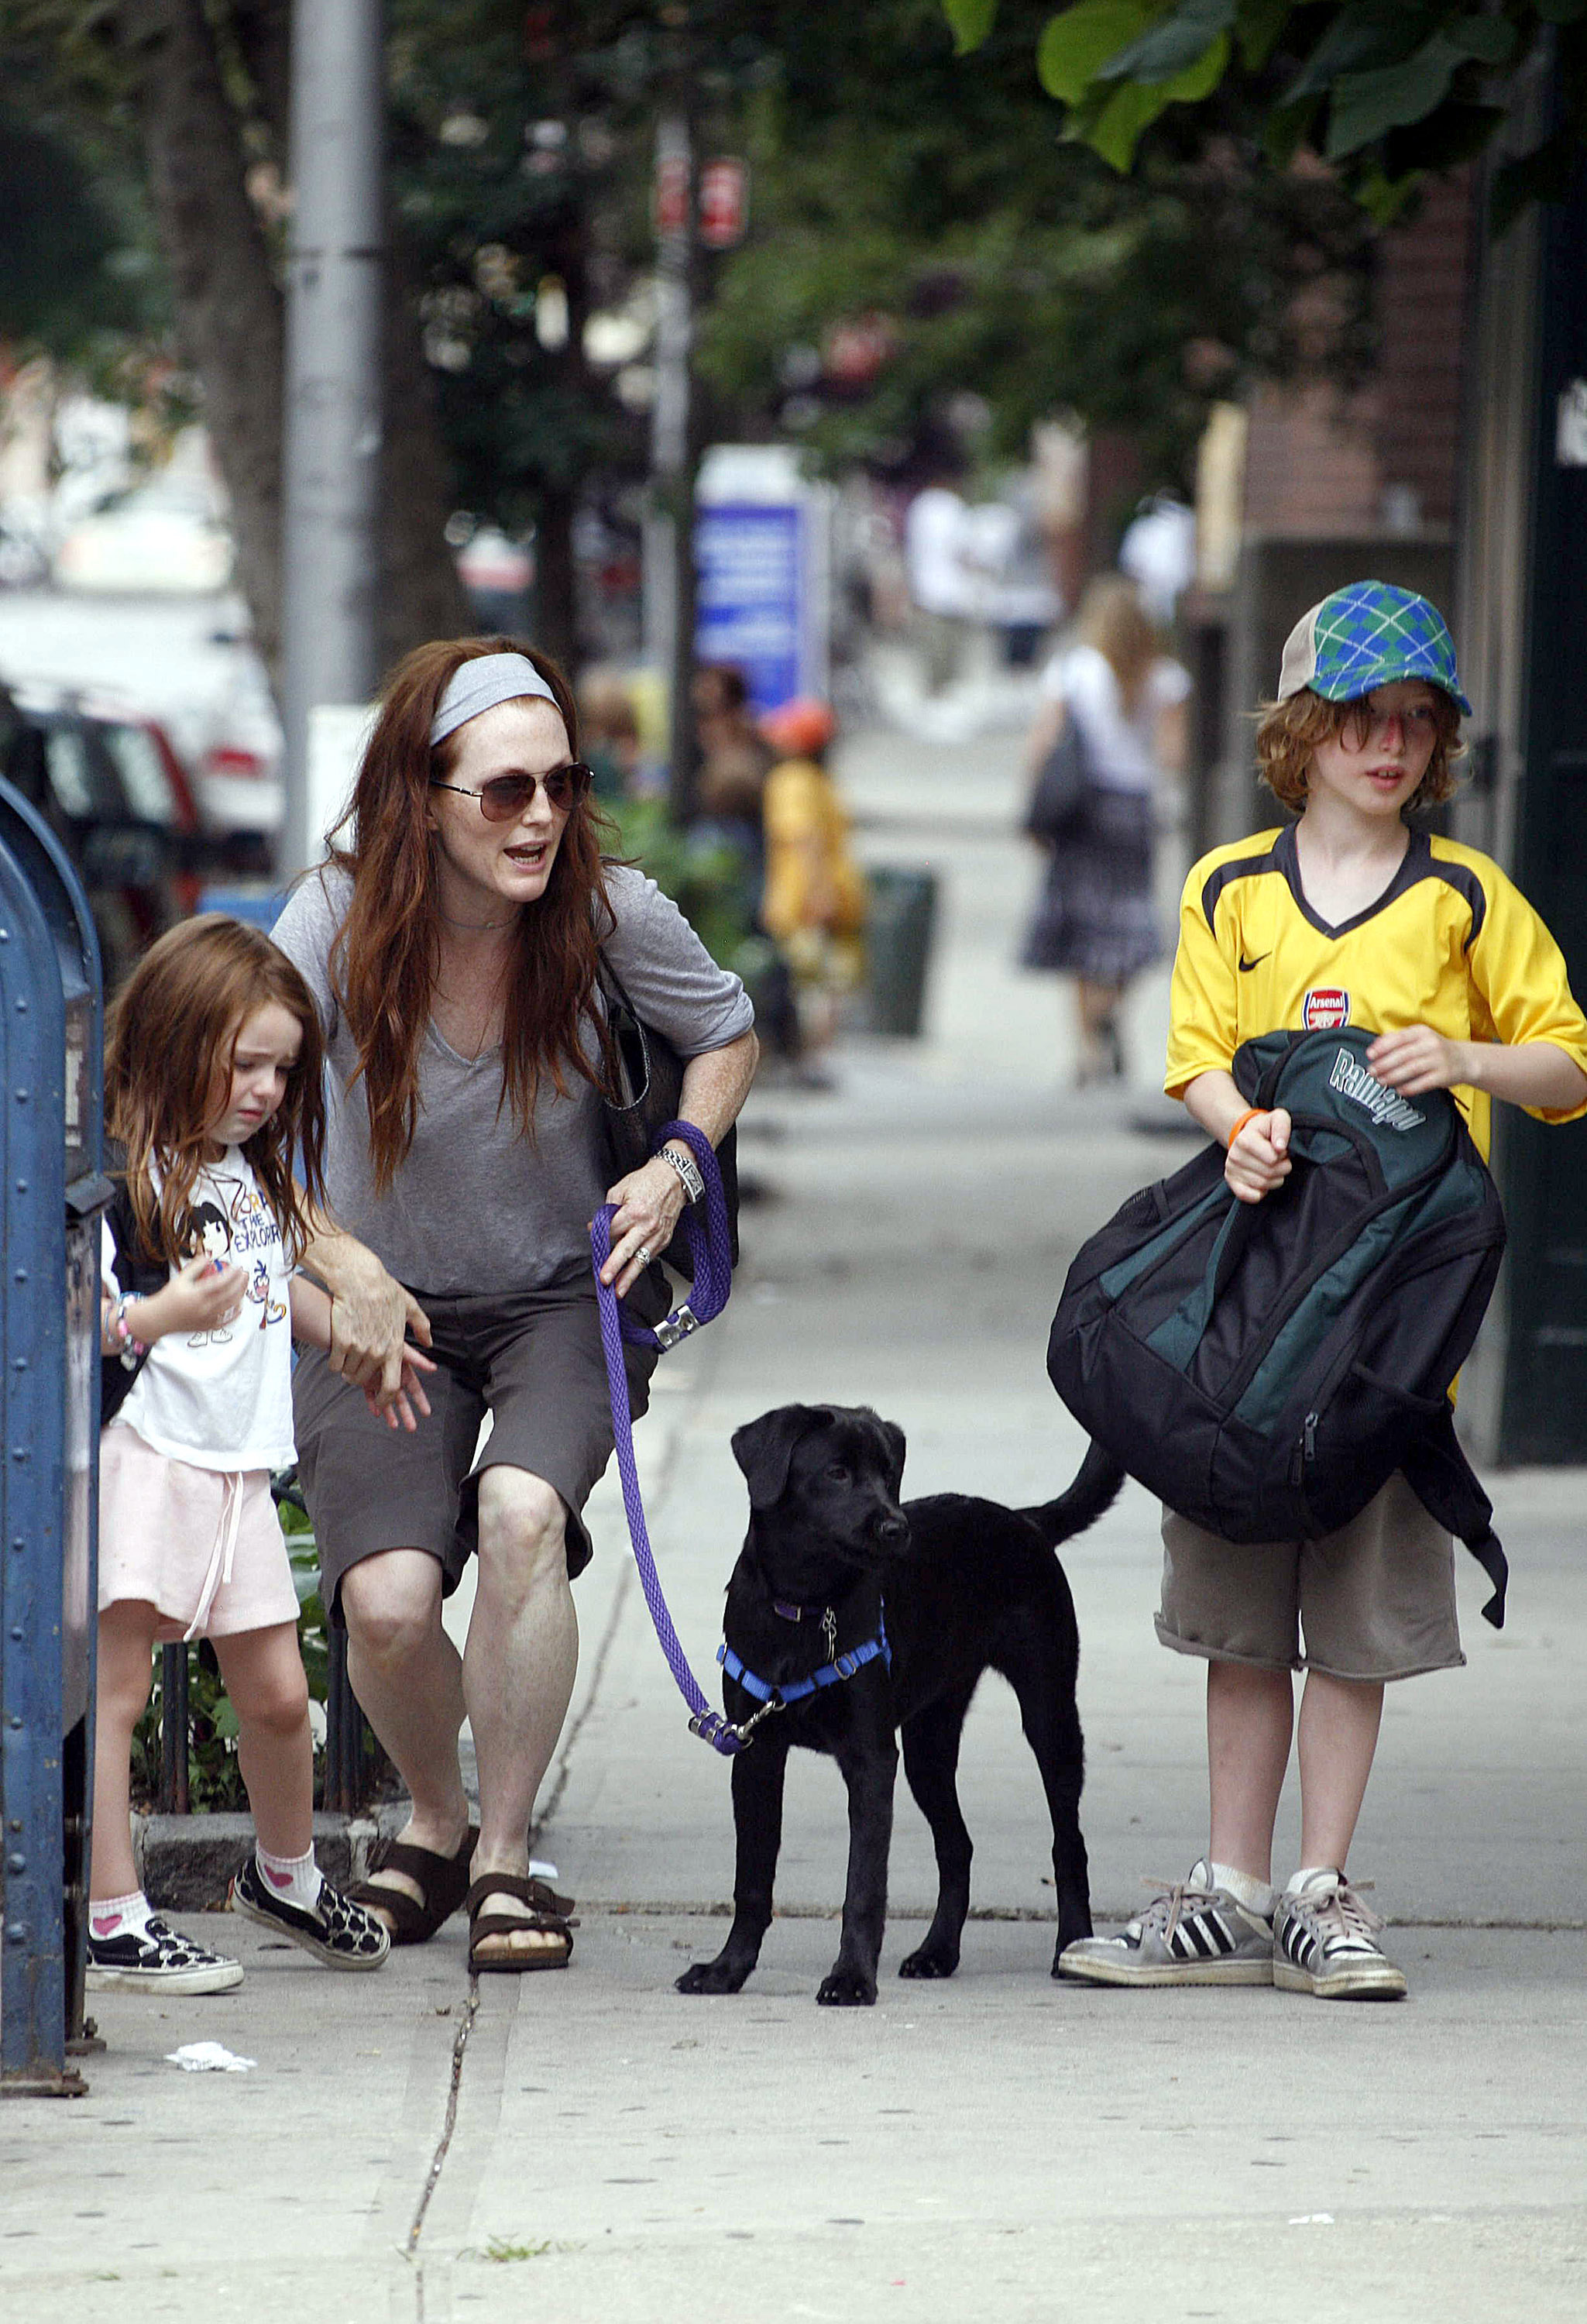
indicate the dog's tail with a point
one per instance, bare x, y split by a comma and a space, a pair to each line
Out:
1095, 1489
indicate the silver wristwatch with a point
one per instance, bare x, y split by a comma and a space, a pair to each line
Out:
687, 1169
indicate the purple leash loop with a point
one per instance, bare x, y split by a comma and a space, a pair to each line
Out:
708, 1293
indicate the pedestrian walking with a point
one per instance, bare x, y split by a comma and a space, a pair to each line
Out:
1122, 699
1353, 915
816, 898
453, 946
213, 1090
944, 585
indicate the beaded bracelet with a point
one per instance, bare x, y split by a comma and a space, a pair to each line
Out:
131, 1352
687, 1169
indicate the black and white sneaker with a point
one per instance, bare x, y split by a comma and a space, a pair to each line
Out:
155, 1958
1325, 1943
340, 1934
1194, 1933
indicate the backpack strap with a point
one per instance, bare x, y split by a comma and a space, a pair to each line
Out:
1438, 1473
139, 1276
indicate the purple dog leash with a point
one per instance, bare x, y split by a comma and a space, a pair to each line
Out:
708, 1293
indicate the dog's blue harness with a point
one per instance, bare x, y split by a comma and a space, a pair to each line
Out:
842, 1667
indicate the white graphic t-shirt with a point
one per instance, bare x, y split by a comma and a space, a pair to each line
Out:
223, 1399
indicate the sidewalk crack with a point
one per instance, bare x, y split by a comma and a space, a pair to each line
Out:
438, 2161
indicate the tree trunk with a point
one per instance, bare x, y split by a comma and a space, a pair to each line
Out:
555, 617
421, 596
229, 307
231, 317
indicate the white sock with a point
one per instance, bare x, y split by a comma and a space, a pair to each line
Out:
296, 1879
1308, 1874
119, 1917
1254, 1895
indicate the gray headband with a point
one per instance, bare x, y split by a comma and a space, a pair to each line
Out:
480, 685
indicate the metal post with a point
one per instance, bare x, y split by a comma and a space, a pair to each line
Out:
344, 1732
670, 528
176, 1730
333, 413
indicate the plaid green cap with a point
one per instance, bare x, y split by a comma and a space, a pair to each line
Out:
1366, 635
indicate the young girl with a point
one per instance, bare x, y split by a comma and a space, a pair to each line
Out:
213, 1084
1348, 915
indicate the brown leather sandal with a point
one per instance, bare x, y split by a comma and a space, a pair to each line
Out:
548, 1916
442, 1882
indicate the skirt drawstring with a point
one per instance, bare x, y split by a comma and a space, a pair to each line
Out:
221, 1557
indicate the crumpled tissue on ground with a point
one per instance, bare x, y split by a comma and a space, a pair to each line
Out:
209, 2058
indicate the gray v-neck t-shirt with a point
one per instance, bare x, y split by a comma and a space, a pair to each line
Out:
475, 1207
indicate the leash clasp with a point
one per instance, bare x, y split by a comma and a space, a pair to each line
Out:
677, 1326
721, 1733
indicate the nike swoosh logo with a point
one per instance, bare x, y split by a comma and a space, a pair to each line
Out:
1247, 965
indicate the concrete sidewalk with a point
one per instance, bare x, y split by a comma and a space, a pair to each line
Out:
593, 2147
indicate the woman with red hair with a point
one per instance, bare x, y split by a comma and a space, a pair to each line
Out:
452, 945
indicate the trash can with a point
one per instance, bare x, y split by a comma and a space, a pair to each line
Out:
898, 948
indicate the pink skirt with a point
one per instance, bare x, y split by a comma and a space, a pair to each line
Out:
204, 1546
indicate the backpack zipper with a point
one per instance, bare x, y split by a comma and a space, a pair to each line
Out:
1305, 1443
1306, 1450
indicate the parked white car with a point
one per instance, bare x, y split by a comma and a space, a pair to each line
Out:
159, 539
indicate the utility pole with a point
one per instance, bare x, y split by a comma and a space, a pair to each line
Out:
670, 548
331, 462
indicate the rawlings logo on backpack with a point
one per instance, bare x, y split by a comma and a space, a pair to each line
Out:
1266, 1367
1351, 1078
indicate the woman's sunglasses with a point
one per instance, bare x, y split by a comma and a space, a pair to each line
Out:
503, 799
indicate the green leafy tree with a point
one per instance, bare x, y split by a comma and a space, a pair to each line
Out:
185, 102
937, 209
1382, 90
75, 274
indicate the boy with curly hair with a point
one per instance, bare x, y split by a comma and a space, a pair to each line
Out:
1349, 915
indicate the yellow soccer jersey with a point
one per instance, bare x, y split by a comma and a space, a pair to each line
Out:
1451, 943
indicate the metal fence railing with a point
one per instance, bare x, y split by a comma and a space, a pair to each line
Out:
354, 1761
352, 1756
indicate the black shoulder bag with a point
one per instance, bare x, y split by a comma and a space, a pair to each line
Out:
650, 1080
1063, 788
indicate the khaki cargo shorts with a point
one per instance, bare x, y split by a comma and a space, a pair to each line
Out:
1374, 1600
531, 1359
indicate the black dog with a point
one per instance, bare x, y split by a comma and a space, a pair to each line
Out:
968, 1587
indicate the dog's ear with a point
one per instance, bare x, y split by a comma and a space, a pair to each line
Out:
893, 1437
764, 1447
890, 1444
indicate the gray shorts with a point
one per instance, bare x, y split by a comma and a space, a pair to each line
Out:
533, 1361
1374, 1600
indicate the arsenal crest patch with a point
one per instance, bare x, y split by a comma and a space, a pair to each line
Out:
1325, 1009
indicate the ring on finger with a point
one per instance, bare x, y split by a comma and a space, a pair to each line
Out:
643, 1254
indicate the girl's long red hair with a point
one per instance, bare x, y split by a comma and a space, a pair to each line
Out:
167, 1061
385, 955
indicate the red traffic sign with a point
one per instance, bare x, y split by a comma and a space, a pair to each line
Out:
723, 203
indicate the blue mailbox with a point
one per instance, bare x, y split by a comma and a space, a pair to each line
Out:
51, 1050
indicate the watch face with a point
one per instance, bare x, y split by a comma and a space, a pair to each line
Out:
687, 1170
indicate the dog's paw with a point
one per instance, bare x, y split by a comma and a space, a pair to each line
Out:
924, 1962
847, 1989
712, 1977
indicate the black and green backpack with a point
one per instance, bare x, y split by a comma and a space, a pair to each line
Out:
1265, 1367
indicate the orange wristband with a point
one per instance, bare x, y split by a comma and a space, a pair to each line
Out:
1251, 1113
